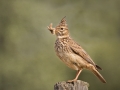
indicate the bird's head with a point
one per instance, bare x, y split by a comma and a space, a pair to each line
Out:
61, 31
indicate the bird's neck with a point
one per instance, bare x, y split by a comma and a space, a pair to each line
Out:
64, 36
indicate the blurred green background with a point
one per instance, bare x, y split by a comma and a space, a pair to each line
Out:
27, 57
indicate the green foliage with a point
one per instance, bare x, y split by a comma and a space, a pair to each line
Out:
27, 57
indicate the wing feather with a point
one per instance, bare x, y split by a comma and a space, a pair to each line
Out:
77, 49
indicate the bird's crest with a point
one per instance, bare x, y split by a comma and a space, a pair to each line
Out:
63, 22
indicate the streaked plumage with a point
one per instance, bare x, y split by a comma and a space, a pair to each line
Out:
72, 54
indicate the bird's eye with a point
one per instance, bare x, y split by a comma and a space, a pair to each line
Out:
61, 28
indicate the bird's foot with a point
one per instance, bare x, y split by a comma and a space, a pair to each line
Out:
72, 80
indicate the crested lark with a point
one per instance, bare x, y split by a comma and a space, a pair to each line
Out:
72, 54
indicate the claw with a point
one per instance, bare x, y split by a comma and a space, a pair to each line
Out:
71, 80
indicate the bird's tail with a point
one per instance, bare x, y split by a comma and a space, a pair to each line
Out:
94, 70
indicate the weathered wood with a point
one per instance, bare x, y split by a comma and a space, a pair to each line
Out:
78, 85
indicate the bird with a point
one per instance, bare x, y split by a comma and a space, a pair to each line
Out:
71, 53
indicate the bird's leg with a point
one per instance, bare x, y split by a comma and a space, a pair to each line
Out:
77, 75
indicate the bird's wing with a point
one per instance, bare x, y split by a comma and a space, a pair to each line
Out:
77, 49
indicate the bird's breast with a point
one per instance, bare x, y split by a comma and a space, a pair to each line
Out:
69, 58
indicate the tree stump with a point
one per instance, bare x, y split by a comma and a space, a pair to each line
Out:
77, 85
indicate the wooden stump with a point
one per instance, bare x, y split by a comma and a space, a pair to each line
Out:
78, 85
